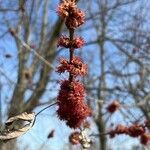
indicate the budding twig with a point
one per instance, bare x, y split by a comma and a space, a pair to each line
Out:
13, 33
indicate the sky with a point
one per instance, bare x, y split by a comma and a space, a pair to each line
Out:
48, 120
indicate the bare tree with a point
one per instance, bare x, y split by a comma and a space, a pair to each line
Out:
121, 37
120, 43
34, 36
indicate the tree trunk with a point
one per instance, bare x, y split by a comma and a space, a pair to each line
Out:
101, 128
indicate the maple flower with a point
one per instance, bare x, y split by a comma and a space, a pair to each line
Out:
76, 67
66, 7
120, 129
73, 16
64, 41
76, 19
72, 107
74, 138
136, 130
115, 105
78, 42
145, 139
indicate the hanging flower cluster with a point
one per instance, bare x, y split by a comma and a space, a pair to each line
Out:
135, 130
71, 105
73, 16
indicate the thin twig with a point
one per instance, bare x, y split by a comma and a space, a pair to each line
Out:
45, 108
71, 32
100, 134
2, 73
30, 49
8, 9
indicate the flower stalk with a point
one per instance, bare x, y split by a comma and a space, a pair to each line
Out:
71, 31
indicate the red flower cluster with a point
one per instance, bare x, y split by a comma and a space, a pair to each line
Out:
115, 105
135, 130
64, 41
72, 107
145, 139
76, 67
120, 129
73, 16
78, 42
74, 138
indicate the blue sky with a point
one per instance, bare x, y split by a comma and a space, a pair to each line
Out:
48, 121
